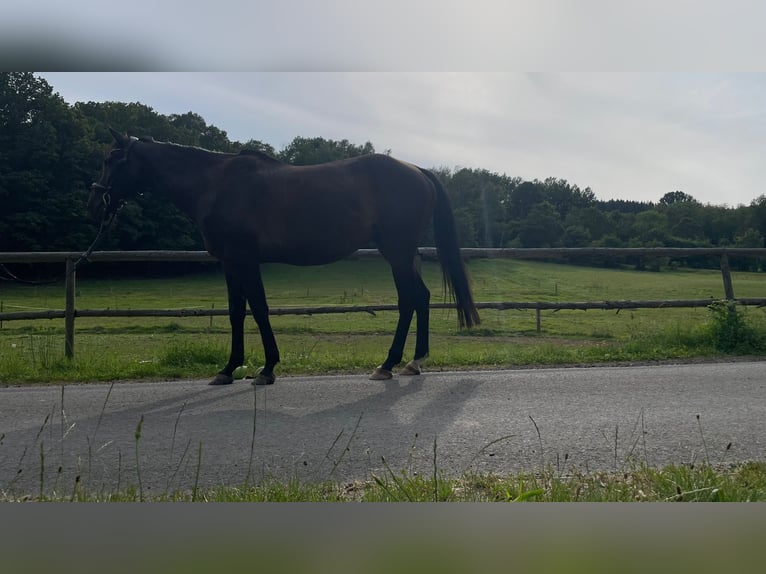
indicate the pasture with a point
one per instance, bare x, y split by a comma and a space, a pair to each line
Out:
153, 348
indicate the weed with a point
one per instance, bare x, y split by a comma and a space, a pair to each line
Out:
730, 330
42, 350
192, 354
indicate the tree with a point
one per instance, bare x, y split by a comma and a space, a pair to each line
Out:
524, 198
256, 145
542, 228
193, 130
684, 218
674, 197
565, 197
310, 151
576, 236
135, 119
483, 198
591, 219
44, 154
757, 219
650, 229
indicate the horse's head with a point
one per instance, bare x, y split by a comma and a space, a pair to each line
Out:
118, 179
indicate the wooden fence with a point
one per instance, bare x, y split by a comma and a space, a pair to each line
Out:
70, 312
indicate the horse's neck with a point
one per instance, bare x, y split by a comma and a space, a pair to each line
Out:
180, 174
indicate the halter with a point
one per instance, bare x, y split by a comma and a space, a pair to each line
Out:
108, 215
106, 201
106, 197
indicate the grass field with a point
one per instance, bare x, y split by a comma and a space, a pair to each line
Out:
135, 348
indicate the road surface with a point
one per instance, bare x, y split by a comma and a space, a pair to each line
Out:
346, 428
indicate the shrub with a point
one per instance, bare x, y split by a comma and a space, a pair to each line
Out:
730, 330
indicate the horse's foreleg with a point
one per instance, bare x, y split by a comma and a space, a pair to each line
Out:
256, 297
237, 311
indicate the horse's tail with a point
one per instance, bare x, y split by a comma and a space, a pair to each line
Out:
453, 271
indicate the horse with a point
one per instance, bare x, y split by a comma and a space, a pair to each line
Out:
252, 208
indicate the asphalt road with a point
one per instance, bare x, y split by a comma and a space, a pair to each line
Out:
346, 428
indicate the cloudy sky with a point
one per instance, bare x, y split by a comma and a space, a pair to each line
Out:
351, 69
625, 135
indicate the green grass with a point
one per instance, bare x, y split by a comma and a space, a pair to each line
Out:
161, 348
744, 482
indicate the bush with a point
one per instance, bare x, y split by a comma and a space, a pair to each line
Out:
731, 332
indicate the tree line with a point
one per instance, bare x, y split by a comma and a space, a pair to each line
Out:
50, 152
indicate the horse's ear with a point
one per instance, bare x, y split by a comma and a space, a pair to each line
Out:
118, 137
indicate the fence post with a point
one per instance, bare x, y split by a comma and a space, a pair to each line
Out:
69, 311
728, 288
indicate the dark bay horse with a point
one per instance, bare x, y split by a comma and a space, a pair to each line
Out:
252, 209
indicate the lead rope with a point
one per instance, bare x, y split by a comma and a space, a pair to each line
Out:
84, 257
105, 225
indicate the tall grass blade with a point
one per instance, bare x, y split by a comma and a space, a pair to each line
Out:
42, 469
196, 477
252, 438
178, 466
435, 477
103, 410
540, 440
175, 428
704, 444
348, 444
138, 461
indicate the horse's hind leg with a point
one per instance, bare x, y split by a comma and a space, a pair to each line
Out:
413, 295
422, 310
406, 310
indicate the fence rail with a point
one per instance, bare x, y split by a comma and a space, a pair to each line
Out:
70, 312
426, 252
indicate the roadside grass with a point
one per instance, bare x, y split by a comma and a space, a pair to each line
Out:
632, 480
160, 348
744, 482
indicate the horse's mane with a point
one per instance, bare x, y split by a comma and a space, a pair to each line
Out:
248, 152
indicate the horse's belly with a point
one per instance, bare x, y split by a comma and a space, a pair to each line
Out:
314, 243
305, 256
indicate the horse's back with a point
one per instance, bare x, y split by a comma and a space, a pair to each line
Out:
315, 214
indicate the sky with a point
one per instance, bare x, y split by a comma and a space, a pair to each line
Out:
659, 96
629, 135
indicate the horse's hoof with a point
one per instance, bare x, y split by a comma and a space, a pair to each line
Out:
262, 379
414, 366
381, 374
222, 379
410, 369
